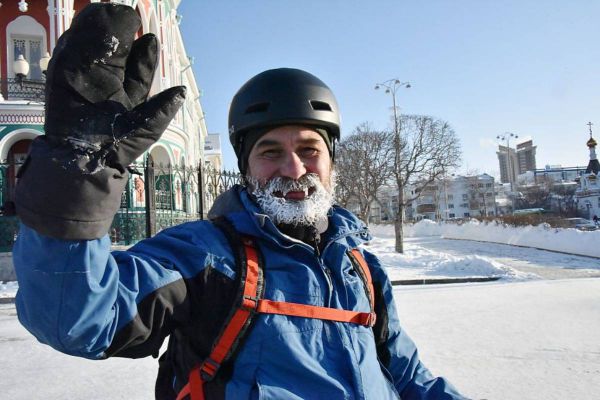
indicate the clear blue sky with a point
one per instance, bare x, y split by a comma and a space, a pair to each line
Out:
487, 67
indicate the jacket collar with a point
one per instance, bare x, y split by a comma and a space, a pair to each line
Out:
237, 205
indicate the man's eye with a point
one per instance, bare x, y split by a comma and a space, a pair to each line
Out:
271, 153
309, 152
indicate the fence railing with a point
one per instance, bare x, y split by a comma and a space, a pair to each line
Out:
156, 197
27, 89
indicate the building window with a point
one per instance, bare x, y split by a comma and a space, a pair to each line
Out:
450, 197
451, 215
467, 214
31, 49
465, 197
450, 205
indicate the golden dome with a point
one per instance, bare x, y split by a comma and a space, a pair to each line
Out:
591, 142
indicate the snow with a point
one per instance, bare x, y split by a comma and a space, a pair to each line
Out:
532, 334
541, 236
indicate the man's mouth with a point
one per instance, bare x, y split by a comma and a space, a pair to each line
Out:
295, 195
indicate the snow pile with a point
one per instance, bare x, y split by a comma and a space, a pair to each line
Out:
541, 236
8, 289
420, 262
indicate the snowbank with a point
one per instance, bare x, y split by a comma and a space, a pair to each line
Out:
8, 289
419, 261
541, 236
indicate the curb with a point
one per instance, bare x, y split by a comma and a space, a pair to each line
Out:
7, 300
435, 281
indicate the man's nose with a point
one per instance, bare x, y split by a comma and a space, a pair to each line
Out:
293, 167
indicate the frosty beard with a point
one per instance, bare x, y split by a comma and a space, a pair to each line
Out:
311, 211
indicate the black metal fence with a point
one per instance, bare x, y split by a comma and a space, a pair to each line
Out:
156, 196
25, 89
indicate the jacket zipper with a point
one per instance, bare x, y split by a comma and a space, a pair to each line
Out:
326, 270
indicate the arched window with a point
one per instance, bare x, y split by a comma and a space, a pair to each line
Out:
25, 36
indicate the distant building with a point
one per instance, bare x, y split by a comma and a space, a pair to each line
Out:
587, 194
558, 173
526, 156
212, 151
31, 33
514, 162
449, 198
509, 164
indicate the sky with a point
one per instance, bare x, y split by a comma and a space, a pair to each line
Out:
486, 67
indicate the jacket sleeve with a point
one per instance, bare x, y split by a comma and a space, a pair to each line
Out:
396, 350
83, 300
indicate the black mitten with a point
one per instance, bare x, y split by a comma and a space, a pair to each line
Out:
98, 121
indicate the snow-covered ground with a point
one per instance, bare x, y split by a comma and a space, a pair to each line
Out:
530, 335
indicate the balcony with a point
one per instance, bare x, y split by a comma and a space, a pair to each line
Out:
426, 208
28, 89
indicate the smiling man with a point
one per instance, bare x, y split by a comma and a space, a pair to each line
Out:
273, 298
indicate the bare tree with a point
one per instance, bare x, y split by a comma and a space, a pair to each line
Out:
480, 191
363, 166
537, 194
425, 149
564, 196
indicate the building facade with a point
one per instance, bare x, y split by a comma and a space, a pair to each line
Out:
526, 156
213, 156
587, 195
452, 197
31, 29
508, 163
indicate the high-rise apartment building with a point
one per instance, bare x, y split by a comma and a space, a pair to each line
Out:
509, 164
526, 156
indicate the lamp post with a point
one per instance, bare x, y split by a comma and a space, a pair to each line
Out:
21, 68
506, 138
391, 87
44, 63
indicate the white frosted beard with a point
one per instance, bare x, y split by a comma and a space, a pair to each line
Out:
312, 210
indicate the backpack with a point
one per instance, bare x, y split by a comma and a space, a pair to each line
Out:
250, 302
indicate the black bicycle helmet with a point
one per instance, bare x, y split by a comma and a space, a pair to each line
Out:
282, 96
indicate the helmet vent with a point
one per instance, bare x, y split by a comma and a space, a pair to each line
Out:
320, 105
257, 108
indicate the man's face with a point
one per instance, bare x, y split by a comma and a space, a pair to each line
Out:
289, 172
290, 152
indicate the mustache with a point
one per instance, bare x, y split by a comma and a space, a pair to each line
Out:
283, 185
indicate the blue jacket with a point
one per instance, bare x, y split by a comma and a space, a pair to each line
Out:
83, 300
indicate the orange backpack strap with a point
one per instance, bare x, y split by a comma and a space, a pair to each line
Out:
252, 303
363, 269
327, 313
233, 331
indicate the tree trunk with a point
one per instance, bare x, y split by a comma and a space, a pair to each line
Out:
398, 224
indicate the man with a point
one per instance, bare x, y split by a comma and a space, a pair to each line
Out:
77, 296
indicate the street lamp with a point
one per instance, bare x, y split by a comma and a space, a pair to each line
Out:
506, 138
44, 63
391, 86
21, 68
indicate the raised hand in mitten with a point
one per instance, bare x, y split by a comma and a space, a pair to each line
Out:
98, 121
